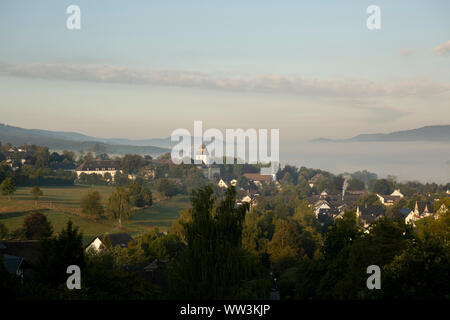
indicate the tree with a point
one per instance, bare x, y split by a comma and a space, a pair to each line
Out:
3, 231
178, 225
214, 263
167, 188
194, 180
251, 235
370, 199
119, 206
8, 187
89, 157
103, 279
5, 170
68, 156
365, 176
42, 156
37, 226
140, 196
383, 186
304, 214
420, 272
387, 239
394, 210
291, 170
91, 203
92, 179
336, 248
355, 184
323, 184
121, 179
58, 253
107, 177
37, 193
303, 188
287, 179
338, 183
56, 157
284, 246
243, 182
340, 235
102, 156
131, 163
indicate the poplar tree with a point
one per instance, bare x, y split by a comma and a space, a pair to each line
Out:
214, 261
119, 206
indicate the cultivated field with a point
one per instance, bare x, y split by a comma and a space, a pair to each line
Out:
63, 203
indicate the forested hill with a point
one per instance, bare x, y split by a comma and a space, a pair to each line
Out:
428, 133
75, 142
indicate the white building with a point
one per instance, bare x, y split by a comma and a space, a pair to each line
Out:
115, 239
202, 155
389, 200
100, 167
222, 184
209, 170
421, 210
397, 193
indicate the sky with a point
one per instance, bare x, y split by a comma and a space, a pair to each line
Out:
141, 69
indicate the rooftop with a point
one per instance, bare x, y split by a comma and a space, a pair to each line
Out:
118, 239
99, 165
258, 177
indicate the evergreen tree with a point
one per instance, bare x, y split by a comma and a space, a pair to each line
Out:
58, 253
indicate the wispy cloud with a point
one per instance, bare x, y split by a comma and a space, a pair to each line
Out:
443, 48
257, 83
406, 52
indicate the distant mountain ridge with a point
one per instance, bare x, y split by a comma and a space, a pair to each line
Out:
439, 133
76, 141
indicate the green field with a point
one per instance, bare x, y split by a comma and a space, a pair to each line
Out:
63, 203
160, 215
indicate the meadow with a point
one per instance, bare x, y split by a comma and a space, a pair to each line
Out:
63, 203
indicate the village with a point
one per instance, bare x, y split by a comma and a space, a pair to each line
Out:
326, 205
286, 195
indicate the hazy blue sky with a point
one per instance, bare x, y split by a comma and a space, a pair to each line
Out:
140, 69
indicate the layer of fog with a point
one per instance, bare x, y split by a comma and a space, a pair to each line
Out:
421, 161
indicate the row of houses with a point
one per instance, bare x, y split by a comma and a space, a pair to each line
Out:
329, 207
20, 256
390, 200
17, 157
256, 182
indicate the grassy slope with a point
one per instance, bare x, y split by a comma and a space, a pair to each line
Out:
62, 203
